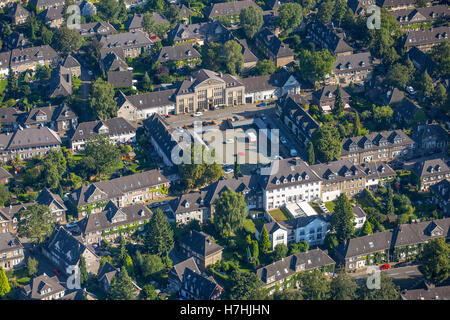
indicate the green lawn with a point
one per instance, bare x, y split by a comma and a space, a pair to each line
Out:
3, 84
330, 205
279, 215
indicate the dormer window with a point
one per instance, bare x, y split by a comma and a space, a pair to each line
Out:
277, 182
285, 180
186, 205
292, 179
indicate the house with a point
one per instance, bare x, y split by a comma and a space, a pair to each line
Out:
114, 221
190, 206
87, 8
327, 37
92, 29
363, 251
250, 60
5, 176
407, 112
23, 59
441, 195
409, 238
414, 16
11, 252
232, 9
9, 217
430, 138
179, 56
121, 79
118, 130
431, 171
422, 61
311, 229
297, 118
10, 119
360, 217
55, 204
294, 181
206, 89
123, 191
72, 64
43, 287
353, 68
278, 273
65, 252
274, 48
428, 292
15, 40
28, 143
18, 14
41, 5
201, 247
377, 146
142, 106
426, 39
135, 23
53, 16
132, 44
105, 276
60, 82
175, 277
377, 173
4, 63
199, 33
198, 287
60, 118
114, 61
393, 5
340, 176
359, 7
325, 98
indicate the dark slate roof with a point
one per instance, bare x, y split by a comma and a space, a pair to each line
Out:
71, 62
198, 77
39, 286
46, 197
334, 41
125, 40
358, 6
113, 216
248, 55
185, 12
52, 13
429, 131
414, 233
189, 202
115, 187
114, 62
107, 271
244, 185
177, 53
291, 107
353, 62
30, 137
358, 212
181, 267
427, 293
407, 109
17, 10
229, 8
47, 3
339, 170
21, 56
161, 132
368, 244
375, 140
12, 210
152, 99
377, 170
60, 82
113, 126
120, 79
431, 166
10, 114
96, 28
4, 174
210, 31
258, 83
290, 265
273, 44
9, 242
200, 243
417, 15
13, 41
292, 171
421, 60
50, 113
135, 22
426, 36
442, 190
328, 94
200, 287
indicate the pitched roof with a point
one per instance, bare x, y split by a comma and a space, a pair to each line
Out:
71, 62
375, 140
414, 233
339, 170
4, 174
181, 267
353, 62
120, 79
152, 99
200, 243
110, 127
30, 137
177, 53
377, 170
96, 28
429, 167
427, 293
368, 244
426, 36
248, 55
442, 190
114, 62
229, 8
9, 242
47, 197
416, 15
278, 48
42, 286
210, 31
333, 40
21, 56
328, 94
202, 288
292, 108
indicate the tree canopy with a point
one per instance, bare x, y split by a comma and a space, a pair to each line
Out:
230, 212
251, 20
102, 100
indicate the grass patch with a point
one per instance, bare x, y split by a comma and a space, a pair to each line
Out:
279, 214
330, 205
249, 226
3, 84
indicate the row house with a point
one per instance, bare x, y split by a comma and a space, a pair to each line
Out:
201, 247
190, 206
200, 33
196, 286
132, 44
92, 29
135, 23
326, 37
9, 217
233, 9
426, 39
114, 222
393, 5
124, 191
377, 173
250, 59
11, 252
55, 204
43, 287
441, 195
409, 17
353, 68
23, 59
431, 171
41, 5
325, 98
28, 143
278, 274
179, 56
10, 119
274, 48
5, 176
359, 7
118, 130
18, 14
377, 146
430, 138
175, 276
53, 16
294, 181
65, 252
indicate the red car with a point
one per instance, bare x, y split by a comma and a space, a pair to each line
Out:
57, 272
385, 267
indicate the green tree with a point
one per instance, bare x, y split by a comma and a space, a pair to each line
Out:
244, 286
237, 168
341, 220
4, 284
338, 103
280, 251
399, 76
255, 252
290, 15
234, 60
101, 155
315, 65
357, 129
327, 143
83, 272
343, 287
159, 238
340, 8
32, 266
251, 20
67, 40
288, 295
54, 166
426, 84
230, 212
264, 241
112, 10
35, 222
212, 56
325, 12
367, 228
435, 262
129, 265
388, 290
152, 27
302, 246
5, 196
390, 200
173, 14
441, 56
102, 100
314, 285
439, 96
122, 287
383, 115
147, 83
265, 67
149, 292
152, 265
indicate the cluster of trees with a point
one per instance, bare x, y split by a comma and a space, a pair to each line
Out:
315, 65
101, 100
223, 58
327, 143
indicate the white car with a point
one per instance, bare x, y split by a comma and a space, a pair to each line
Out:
197, 114
410, 90
228, 170
229, 141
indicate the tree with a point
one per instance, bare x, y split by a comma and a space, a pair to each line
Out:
314, 285
288, 295
101, 155
398, 76
439, 96
280, 251
237, 168
149, 292
211, 56
152, 265
325, 12
32, 266
83, 271
341, 221
230, 212
265, 67
435, 260
315, 65
255, 252
147, 83
5, 196
54, 166
390, 200
383, 115
244, 286
366, 229
173, 14
35, 222
112, 10
441, 56
311, 155
151, 26
302, 246
159, 238
122, 287
388, 290
251, 20
102, 100
327, 143
426, 84
343, 287
290, 15
129, 265
4, 284
264, 241
338, 103
67, 40
234, 60
340, 8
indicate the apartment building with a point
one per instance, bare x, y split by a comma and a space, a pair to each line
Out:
431, 172
43, 287
23, 59
132, 44
427, 38
11, 252
274, 48
201, 247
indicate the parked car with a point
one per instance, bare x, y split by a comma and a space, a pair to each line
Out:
197, 114
283, 140
263, 104
410, 90
385, 266
228, 170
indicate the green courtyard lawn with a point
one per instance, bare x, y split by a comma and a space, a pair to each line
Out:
279, 214
330, 205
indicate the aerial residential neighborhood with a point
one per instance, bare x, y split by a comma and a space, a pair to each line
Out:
209, 150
